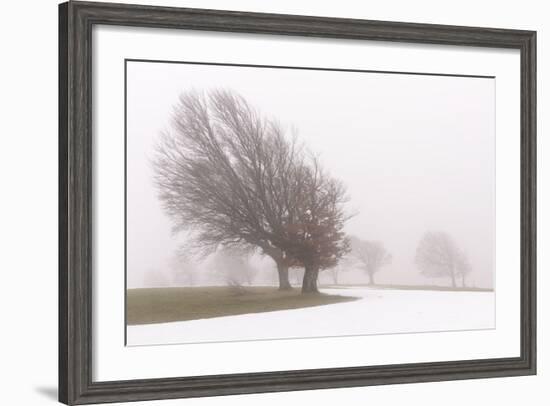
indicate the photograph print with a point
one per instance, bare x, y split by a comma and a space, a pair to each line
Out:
268, 202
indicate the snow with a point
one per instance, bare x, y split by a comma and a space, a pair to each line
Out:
378, 311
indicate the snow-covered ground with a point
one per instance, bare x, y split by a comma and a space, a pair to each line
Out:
378, 311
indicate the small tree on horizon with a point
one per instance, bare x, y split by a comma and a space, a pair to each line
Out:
234, 268
437, 255
463, 267
344, 264
372, 255
183, 269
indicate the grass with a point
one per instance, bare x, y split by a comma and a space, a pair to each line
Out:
162, 305
416, 287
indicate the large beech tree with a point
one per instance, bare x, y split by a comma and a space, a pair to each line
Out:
230, 178
315, 237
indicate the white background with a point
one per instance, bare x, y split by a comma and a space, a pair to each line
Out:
112, 361
28, 220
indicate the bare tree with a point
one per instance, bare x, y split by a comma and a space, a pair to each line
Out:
438, 255
155, 278
231, 178
463, 267
297, 275
183, 269
333, 274
372, 255
218, 172
234, 268
315, 236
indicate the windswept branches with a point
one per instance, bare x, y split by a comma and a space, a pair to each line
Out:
231, 178
209, 167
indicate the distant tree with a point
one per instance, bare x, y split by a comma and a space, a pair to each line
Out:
155, 278
463, 267
183, 269
234, 267
335, 272
437, 255
371, 255
296, 275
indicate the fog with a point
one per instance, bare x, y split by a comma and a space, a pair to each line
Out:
416, 152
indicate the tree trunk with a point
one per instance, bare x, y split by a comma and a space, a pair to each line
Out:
309, 284
453, 279
463, 281
282, 271
282, 268
371, 278
296, 277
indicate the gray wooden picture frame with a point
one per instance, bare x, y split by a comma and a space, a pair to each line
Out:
76, 20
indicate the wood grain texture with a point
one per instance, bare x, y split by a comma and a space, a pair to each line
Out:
75, 202
63, 365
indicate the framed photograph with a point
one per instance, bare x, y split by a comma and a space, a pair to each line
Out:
258, 202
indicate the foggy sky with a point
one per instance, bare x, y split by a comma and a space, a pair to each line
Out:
417, 154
